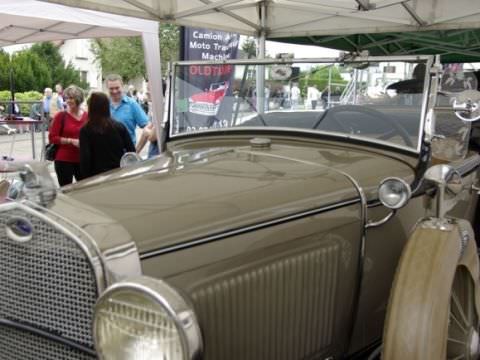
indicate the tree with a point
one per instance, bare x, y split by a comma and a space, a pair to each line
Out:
36, 68
61, 73
319, 76
124, 56
169, 43
30, 72
4, 70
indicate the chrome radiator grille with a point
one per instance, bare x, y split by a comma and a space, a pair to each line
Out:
19, 345
47, 283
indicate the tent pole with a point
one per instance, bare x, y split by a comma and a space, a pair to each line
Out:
261, 55
151, 48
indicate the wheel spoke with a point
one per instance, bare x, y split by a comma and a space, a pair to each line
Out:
460, 309
462, 328
457, 341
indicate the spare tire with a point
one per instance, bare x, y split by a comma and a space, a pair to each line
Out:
433, 311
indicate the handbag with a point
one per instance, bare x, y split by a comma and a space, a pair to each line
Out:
51, 149
51, 152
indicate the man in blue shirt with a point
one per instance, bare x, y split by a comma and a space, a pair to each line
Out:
124, 109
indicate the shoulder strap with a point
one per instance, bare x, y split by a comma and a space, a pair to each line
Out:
64, 115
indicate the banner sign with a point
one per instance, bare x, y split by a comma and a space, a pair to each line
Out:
207, 89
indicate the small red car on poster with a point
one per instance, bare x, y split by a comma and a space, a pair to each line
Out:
208, 102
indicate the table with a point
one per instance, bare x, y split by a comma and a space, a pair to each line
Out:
26, 121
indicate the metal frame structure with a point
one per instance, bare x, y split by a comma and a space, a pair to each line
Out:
31, 123
290, 18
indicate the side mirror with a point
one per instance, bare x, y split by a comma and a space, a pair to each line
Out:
448, 183
467, 105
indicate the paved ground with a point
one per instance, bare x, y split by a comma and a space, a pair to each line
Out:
20, 146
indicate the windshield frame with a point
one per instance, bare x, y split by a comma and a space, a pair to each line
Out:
427, 59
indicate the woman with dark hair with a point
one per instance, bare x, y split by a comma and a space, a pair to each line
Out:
103, 141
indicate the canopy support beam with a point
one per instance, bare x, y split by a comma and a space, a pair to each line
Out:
363, 5
86, 30
143, 7
201, 10
45, 30
234, 16
261, 55
151, 48
413, 14
385, 51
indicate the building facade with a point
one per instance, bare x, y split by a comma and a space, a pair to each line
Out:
79, 53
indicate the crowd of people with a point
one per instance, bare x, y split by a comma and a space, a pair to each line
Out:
92, 138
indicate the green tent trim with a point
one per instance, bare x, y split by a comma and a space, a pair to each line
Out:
454, 46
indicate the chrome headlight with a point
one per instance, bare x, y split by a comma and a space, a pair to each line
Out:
394, 193
129, 159
145, 319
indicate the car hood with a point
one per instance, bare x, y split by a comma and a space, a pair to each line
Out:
196, 193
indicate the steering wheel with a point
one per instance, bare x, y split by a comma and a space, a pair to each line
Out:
396, 129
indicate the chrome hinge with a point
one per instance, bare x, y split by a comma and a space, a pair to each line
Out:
476, 188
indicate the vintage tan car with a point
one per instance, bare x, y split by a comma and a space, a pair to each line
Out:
294, 233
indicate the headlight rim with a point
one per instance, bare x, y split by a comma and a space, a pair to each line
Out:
171, 301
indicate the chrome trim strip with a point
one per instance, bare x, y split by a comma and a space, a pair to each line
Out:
468, 165
48, 336
372, 224
246, 229
361, 256
176, 306
363, 236
117, 263
427, 83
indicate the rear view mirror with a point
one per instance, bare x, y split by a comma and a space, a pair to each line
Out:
467, 105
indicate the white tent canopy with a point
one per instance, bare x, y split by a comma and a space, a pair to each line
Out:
299, 17
29, 21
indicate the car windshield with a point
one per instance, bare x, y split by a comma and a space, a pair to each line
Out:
377, 101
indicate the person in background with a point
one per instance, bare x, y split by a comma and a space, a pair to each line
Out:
131, 91
140, 97
59, 97
313, 95
50, 104
295, 96
47, 99
103, 141
123, 108
65, 132
36, 114
149, 133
